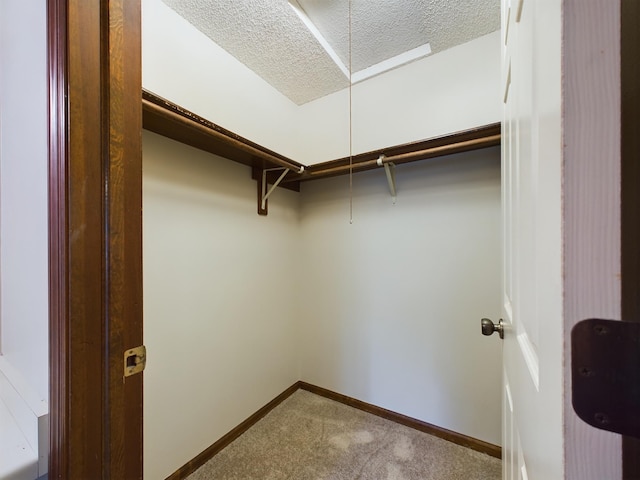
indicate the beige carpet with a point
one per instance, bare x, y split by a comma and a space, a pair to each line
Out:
308, 437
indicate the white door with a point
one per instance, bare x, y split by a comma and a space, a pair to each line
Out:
561, 213
532, 236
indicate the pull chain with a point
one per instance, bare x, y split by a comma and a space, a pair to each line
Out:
350, 125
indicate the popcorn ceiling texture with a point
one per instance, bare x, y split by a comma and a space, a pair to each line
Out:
269, 38
382, 29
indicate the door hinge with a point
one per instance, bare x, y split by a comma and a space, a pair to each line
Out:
135, 359
605, 374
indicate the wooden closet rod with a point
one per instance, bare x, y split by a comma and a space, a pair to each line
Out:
447, 149
173, 121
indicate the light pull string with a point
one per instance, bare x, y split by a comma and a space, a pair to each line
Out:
350, 125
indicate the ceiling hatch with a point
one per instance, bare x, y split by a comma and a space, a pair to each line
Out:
301, 47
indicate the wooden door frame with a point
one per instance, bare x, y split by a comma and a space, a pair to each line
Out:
95, 239
95, 234
630, 174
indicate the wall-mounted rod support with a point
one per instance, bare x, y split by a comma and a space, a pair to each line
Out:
267, 193
390, 170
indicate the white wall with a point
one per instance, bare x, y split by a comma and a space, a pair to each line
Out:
23, 190
220, 297
386, 310
443, 93
238, 307
24, 337
451, 91
391, 305
183, 65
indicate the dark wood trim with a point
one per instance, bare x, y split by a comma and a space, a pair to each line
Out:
206, 455
630, 156
256, 174
630, 144
171, 120
451, 436
83, 328
58, 259
95, 237
454, 437
464, 141
123, 236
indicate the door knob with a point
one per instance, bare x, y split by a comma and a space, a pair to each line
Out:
488, 327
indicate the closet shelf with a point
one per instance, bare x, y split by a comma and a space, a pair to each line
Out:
170, 120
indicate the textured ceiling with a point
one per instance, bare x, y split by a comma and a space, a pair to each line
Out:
270, 39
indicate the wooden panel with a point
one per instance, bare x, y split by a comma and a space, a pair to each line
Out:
95, 241
85, 361
630, 81
58, 259
630, 164
123, 237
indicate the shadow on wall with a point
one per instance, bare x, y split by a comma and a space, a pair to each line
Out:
214, 318
396, 297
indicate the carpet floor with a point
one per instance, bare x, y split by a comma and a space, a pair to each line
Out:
308, 437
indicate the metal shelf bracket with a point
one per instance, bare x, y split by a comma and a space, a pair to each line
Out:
264, 194
390, 170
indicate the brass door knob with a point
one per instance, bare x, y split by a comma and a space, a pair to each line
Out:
488, 327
